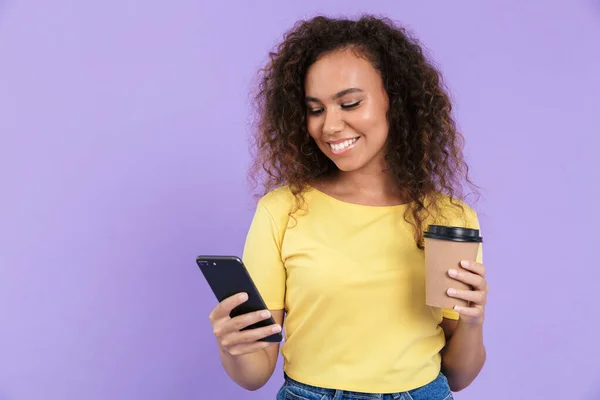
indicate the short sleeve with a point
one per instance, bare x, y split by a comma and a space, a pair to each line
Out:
472, 222
262, 257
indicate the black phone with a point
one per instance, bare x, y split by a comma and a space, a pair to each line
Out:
227, 276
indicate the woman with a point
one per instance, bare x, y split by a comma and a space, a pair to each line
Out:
360, 153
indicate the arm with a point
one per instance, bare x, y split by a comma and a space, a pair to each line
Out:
464, 355
252, 370
249, 363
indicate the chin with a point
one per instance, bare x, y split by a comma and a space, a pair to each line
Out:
348, 166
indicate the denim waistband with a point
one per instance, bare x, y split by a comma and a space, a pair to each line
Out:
332, 392
316, 389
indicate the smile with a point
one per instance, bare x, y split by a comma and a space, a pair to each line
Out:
339, 148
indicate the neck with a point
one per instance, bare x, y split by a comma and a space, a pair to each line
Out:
374, 182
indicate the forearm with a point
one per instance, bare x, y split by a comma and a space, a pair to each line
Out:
250, 371
463, 356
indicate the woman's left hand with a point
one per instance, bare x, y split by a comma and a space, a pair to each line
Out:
472, 274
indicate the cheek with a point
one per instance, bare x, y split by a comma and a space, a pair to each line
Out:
313, 126
371, 125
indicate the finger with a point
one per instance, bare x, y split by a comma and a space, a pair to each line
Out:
474, 267
241, 349
475, 312
249, 336
473, 296
227, 325
469, 278
241, 321
223, 309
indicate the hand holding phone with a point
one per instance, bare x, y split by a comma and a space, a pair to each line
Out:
230, 332
241, 321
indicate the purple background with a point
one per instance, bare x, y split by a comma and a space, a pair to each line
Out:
123, 154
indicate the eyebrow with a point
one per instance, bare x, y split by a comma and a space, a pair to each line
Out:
335, 96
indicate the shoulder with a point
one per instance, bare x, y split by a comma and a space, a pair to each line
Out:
277, 205
280, 199
456, 212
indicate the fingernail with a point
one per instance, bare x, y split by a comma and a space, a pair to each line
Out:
458, 308
276, 328
451, 292
265, 314
453, 273
464, 263
243, 296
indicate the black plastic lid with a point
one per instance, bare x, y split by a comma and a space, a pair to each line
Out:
453, 233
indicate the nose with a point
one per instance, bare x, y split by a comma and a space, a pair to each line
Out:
333, 123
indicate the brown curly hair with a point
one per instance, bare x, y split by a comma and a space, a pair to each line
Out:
424, 148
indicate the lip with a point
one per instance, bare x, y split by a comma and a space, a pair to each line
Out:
343, 151
342, 140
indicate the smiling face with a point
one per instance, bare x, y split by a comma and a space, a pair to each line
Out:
346, 110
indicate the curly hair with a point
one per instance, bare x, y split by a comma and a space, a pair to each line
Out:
423, 149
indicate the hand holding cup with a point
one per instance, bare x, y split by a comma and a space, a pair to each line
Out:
453, 281
472, 274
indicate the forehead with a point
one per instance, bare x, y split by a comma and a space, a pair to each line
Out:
340, 70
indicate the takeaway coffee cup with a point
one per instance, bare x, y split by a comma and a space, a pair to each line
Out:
445, 248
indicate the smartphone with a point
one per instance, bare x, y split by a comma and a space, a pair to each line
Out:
227, 276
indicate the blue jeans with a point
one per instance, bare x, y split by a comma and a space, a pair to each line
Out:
438, 389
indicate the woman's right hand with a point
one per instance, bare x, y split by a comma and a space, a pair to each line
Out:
228, 331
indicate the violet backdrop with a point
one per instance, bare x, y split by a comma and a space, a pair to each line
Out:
123, 154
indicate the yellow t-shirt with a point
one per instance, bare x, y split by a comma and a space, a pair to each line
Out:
352, 282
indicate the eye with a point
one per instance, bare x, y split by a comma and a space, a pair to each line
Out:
351, 106
315, 111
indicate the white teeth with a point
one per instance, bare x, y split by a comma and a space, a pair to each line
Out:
343, 145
